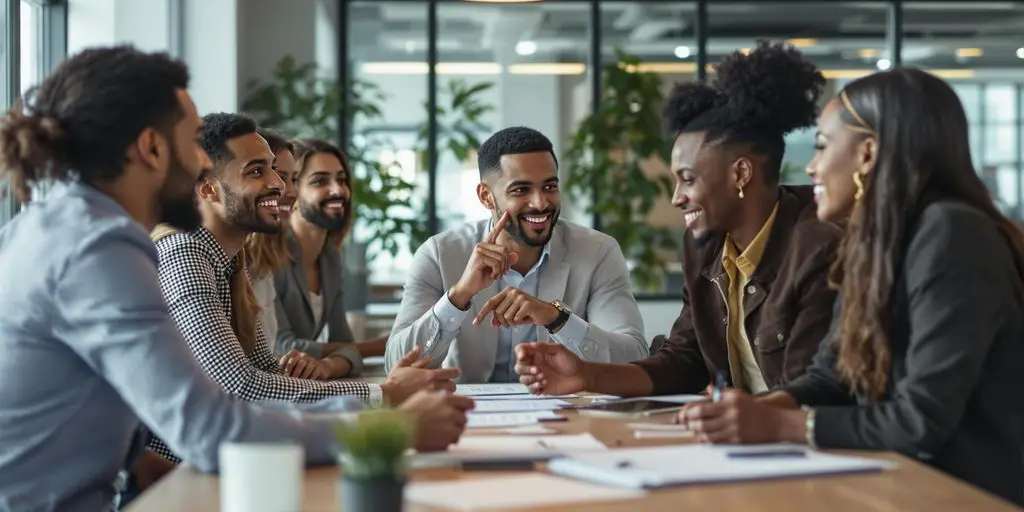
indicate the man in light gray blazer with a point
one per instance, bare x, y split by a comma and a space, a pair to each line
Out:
477, 291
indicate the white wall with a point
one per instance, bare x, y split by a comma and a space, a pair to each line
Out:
211, 49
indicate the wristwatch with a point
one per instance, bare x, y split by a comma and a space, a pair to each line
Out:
563, 316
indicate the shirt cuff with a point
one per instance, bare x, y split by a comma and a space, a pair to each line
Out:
376, 399
449, 316
573, 334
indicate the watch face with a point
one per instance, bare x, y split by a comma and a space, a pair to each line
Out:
562, 306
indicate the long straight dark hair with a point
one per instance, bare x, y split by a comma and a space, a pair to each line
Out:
923, 155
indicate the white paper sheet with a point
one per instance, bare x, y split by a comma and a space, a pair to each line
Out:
550, 404
520, 397
491, 389
692, 464
538, 444
514, 419
675, 399
541, 490
508, 448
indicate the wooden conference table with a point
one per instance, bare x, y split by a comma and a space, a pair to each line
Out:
911, 487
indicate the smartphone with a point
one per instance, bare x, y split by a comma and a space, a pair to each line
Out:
629, 408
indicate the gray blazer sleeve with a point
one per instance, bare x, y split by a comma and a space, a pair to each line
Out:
615, 324
416, 323
956, 278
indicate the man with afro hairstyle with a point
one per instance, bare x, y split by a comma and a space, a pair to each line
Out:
756, 301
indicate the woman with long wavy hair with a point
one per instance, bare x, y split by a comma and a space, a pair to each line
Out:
925, 355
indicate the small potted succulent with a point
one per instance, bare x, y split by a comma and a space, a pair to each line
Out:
372, 459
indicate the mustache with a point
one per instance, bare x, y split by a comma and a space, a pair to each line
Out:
533, 213
343, 199
269, 195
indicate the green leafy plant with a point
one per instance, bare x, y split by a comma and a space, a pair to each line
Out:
605, 161
374, 445
298, 102
458, 119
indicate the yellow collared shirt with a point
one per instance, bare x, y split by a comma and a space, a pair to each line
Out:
746, 374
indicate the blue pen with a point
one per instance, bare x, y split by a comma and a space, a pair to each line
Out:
719, 387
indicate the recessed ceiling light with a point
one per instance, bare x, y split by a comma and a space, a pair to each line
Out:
526, 47
502, 1
868, 53
884, 64
682, 52
1020, 53
802, 42
969, 52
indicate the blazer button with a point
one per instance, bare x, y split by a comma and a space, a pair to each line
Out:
780, 337
757, 341
725, 320
751, 289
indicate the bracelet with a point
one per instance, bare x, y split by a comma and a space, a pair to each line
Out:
809, 427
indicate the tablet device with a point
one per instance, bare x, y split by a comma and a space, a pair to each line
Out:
629, 408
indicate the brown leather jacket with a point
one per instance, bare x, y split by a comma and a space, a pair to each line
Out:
787, 304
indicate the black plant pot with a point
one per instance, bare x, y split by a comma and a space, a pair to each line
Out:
371, 495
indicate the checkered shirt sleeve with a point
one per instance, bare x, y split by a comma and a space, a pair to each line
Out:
201, 307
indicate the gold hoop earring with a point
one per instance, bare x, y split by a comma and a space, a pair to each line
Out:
859, 183
741, 192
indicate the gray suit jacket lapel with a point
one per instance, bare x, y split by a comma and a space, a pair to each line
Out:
553, 277
299, 275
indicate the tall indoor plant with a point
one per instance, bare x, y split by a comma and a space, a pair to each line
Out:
605, 167
460, 112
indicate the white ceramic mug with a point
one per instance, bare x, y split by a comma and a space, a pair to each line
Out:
261, 477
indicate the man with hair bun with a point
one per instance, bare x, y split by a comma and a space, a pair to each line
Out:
89, 348
756, 301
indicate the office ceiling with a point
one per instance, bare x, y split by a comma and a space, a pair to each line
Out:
835, 34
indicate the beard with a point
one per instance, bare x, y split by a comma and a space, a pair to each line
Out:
179, 209
315, 215
524, 235
244, 214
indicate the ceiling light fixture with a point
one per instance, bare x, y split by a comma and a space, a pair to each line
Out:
883, 64
1020, 53
526, 48
868, 53
964, 53
803, 42
681, 52
502, 1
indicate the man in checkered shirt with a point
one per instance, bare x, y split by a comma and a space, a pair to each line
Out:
200, 276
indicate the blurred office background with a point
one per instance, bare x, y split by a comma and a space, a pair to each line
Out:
411, 87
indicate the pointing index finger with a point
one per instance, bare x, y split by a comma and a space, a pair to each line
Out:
498, 226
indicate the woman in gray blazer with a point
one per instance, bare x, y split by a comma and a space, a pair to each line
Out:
926, 356
310, 311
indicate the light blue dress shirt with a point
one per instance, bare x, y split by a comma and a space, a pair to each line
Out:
89, 349
571, 334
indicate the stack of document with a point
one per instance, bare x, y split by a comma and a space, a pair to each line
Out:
512, 448
691, 464
509, 405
